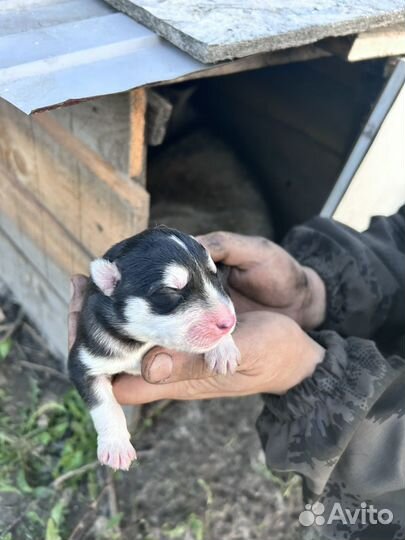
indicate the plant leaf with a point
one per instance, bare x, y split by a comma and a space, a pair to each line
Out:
52, 531
5, 348
22, 482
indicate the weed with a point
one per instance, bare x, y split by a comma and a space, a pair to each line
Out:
193, 528
5, 348
43, 443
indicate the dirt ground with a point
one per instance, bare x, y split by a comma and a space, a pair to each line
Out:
200, 474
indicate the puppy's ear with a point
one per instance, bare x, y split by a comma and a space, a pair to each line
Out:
105, 275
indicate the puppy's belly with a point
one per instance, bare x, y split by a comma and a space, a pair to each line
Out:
101, 365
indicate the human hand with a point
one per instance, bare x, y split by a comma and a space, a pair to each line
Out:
78, 284
264, 276
276, 354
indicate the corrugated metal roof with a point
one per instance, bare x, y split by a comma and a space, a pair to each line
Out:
54, 51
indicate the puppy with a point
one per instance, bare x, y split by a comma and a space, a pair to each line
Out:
159, 287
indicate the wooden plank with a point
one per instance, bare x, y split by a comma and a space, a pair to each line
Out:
95, 203
369, 132
378, 187
103, 125
128, 191
60, 255
137, 148
380, 43
46, 308
18, 155
159, 113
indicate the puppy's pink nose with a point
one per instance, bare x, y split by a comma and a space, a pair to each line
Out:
226, 323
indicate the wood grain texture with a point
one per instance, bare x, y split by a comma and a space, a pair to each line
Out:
95, 203
379, 43
137, 149
61, 204
46, 308
103, 125
159, 113
46, 242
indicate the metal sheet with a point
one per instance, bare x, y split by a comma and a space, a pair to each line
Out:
52, 52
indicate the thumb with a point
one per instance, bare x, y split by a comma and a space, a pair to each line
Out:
161, 366
232, 249
165, 375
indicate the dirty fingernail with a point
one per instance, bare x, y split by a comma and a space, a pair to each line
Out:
72, 289
160, 368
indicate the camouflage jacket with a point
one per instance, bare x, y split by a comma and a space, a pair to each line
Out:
343, 429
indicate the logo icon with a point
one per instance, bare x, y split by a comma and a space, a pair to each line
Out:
364, 514
312, 514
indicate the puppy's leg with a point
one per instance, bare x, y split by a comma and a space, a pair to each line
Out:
113, 442
224, 358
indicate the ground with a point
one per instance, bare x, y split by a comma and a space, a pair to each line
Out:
200, 475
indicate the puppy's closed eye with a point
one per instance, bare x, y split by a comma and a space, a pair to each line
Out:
166, 299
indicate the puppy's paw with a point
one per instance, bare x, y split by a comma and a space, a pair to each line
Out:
224, 358
116, 453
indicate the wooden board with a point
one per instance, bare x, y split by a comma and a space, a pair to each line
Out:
46, 308
138, 101
103, 125
96, 204
378, 187
379, 43
61, 204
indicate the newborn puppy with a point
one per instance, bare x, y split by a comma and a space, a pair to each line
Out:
159, 287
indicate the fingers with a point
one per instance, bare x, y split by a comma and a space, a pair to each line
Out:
162, 366
78, 286
234, 249
130, 390
166, 375
174, 375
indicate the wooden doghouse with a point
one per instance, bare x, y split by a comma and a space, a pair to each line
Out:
74, 180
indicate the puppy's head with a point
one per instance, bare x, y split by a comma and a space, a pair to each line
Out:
162, 286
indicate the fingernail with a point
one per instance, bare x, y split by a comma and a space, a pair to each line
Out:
72, 289
160, 368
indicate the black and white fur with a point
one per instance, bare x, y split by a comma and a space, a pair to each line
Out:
159, 287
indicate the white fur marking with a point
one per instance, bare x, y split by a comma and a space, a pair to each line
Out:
216, 296
113, 439
211, 265
105, 275
180, 242
175, 276
128, 361
165, 330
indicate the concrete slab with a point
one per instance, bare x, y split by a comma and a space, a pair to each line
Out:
212, 31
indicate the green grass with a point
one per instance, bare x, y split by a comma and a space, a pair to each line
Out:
43, 443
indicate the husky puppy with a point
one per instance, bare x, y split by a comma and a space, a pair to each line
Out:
159, 287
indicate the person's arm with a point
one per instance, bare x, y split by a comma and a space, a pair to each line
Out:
343, 430
364, 273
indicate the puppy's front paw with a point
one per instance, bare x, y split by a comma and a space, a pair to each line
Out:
116, 453
224, 358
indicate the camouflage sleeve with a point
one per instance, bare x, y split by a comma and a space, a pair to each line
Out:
363, 272
343, 431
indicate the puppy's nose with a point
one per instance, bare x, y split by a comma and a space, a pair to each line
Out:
226, 323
